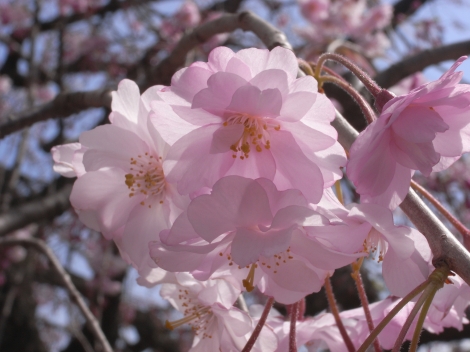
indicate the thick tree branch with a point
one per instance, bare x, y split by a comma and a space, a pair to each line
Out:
38, 210
75, 295
420, 61
63, 105
444, 246
247, 21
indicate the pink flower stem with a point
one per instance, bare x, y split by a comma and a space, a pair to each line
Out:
368, 82
373, 335
365, 107
356, 275
452, 219
294, 313
262, 320
436, 281
334, 310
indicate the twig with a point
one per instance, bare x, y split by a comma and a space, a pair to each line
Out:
75, 295
45, 208
294, 313
452, 219
420, 61
262, 320
334, 310
63, 105
356, 275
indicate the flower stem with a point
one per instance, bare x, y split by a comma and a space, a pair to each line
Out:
294, 312
378, 329
422, 316
368, 82
356, 275
452, 219
262, 320
365, 107
438, 277
436, 281
409, 320
334, 310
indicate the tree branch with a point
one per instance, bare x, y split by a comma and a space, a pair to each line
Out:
70, 103
65, 104
444, 246
247, 21
37, 210
420, 61
75, 295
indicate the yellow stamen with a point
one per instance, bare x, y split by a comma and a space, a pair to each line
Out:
248, 282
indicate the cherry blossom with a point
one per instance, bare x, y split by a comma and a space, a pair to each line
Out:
122, 192
246, 114
369, 228
207, 308
426, 130
255, 231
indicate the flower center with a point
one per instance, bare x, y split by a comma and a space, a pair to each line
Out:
376, 245
256, 134
269, 264
196, 315
146, 177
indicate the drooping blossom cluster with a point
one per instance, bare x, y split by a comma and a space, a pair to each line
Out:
220, 183
426, 130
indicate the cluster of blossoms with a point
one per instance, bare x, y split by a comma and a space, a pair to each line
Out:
331, 23
221, 183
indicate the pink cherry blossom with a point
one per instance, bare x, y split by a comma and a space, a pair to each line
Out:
378, 311
208, 308
121, 189
426, 130
314, 334
251, 224
368, 227
246, 114
314, 10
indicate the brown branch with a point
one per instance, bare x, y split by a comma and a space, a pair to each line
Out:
63, 105
420, 61
75, 295
45, 208
444, 246
67, 104
247, 21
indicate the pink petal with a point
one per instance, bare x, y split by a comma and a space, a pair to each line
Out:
249, 244
225, 137
127, 99
419, 124
193, 164
238, 67
296, 105
252, 101
295, 167
187, 82
234, 202
106, 144
142, 227
218, 95
271, 79
256, 165
105, 192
